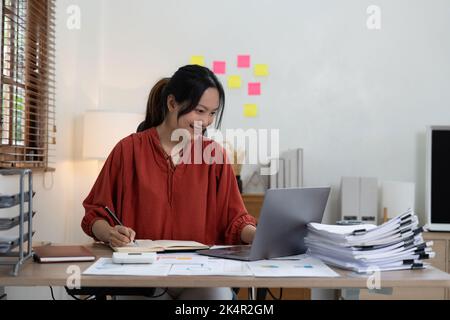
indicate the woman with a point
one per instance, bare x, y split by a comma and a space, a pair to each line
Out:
154, 191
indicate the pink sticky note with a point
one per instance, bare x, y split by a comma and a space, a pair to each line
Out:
219, 67
243, 61
254, 88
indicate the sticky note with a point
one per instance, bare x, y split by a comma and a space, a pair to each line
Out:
243, 61
219, 67
261, 70
254, 88
200, 60
250, 110
234, 82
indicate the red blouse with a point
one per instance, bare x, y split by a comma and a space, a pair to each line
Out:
199, 202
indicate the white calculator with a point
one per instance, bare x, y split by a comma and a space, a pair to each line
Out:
134, 257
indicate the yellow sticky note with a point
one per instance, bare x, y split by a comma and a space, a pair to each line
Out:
200, 60
234, 82
250, 110
261, 70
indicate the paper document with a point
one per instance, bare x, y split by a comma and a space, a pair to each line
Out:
212, 267
305, 267
193, 264
105, 266
180, 258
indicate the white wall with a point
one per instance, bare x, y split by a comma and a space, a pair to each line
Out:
356, 100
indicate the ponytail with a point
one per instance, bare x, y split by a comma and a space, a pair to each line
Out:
156, 111
187, 85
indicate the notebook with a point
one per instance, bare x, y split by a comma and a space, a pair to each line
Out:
161, 246
47, 254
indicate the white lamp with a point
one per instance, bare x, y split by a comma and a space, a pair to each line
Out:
102, 130
396, 198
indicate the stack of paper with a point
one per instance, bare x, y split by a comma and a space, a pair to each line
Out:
394, 245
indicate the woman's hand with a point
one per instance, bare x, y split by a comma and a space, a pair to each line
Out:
248, 234
117, 236
120, 236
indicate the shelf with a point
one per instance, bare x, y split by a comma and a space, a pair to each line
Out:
8, 223
7, 245
16, 249
8, 201
13, 172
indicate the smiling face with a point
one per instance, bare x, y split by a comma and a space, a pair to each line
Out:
202, 115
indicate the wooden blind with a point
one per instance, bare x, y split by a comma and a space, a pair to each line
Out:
27, 123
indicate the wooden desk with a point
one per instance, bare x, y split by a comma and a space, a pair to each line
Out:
35, 274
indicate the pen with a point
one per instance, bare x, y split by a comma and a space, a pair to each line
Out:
116, 219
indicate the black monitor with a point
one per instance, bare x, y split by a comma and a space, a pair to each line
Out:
438, 178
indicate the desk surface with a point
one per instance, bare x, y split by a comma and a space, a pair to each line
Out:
35, 274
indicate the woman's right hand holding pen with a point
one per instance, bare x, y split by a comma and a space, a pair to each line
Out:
120, 236
117, 236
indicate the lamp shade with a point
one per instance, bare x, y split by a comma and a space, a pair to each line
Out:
102, 130
397, 197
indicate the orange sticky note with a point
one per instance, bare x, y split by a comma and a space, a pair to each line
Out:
261, 70
234, 82
254, 88
200, 60
250, 110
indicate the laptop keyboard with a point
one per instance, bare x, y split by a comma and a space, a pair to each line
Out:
241, 251
238, 248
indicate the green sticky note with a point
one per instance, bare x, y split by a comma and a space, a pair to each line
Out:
261, 70
250, 110
234, 82
200, 60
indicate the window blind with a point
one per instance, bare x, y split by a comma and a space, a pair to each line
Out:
27, 122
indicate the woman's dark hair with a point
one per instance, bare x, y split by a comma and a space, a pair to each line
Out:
187, 85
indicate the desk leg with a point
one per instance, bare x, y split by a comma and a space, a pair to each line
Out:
253, 290
257, 293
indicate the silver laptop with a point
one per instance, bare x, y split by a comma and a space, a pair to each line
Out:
282, 224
